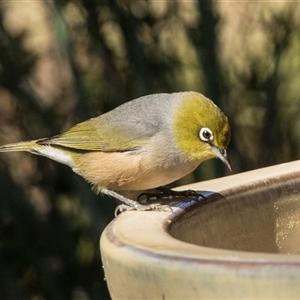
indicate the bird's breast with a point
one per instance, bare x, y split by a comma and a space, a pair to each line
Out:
130, 170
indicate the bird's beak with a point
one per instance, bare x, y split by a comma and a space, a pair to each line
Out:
222, 154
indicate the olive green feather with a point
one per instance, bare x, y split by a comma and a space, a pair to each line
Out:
125, 128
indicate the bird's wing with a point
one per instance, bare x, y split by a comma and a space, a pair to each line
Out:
124, 128
96, 135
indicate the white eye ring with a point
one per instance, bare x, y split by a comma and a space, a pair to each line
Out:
206, 134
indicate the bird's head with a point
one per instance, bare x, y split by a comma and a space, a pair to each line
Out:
201, 129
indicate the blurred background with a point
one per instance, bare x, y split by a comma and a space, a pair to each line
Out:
62, 62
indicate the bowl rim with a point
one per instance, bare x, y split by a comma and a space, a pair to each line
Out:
146, 234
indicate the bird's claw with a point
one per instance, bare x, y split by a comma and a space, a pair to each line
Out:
168, 194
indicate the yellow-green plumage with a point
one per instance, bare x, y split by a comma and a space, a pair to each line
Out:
197, 111
142, 144
95, 135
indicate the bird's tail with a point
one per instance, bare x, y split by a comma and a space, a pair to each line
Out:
20, 146
56, 153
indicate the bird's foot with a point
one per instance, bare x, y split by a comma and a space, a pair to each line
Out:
166, 193
140, 207
129, 204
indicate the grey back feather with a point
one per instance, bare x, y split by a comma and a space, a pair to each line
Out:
125, 128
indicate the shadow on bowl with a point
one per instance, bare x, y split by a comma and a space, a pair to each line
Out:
255, 220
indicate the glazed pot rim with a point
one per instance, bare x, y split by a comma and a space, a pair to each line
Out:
147, 233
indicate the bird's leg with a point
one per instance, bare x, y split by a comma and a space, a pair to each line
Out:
167, 193
129, 204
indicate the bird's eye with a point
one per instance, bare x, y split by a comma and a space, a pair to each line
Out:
205, 134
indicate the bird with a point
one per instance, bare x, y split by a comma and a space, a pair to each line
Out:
142, 144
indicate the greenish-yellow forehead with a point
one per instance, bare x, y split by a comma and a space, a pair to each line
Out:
196, 112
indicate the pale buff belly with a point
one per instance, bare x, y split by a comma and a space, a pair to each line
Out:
125, 171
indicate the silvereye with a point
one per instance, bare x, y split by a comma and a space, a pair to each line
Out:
142, 144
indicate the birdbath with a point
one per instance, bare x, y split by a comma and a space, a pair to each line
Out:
240, 239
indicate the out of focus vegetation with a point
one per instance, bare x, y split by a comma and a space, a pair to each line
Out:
62, 62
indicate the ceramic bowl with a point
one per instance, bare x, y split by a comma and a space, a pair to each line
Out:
239, 239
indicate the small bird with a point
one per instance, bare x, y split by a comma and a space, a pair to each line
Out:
142, 144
